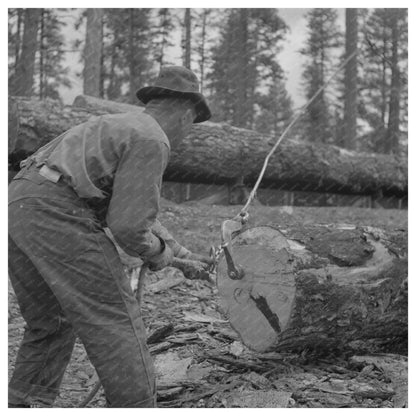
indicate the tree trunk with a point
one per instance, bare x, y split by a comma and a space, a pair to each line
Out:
384, 86
18, 36
351, 74
25, 68
42, 55
202, 57
240, 113
93, 52
318, 287
113, 91
220, 153
132, 51
187, 42
393, 128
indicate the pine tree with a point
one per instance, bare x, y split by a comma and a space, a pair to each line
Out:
392, 139
15, 29
186, 43
22, 81
127, 47
52, 73
350, 81
384, 81
275, 108
244, 60
163, 27
93, 53
323, 38
203, 23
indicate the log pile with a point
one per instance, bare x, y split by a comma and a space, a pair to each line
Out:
220, 153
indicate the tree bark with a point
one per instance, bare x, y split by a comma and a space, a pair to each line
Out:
187, 40
18, 36
220, 153
202, 47
25, 68
351, 75
132, 69
42, 55
393, 128
320, 287
93, 53
241, 111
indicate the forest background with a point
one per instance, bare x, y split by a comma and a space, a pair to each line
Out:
257, 66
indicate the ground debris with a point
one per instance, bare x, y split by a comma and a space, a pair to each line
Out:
201, 361
249, 398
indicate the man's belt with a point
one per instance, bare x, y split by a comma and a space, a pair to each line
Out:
50, 174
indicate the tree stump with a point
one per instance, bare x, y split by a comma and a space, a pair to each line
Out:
318, 287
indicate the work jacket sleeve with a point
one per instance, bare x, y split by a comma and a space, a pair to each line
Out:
135, 199
178, 250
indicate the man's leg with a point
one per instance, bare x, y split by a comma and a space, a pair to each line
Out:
48, 339
98, 301
81, 266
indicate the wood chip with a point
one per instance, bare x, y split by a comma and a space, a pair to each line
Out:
170, 368
196, 317
165, 284
158, 348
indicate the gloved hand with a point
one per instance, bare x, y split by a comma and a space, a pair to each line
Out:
161, 260
199, 257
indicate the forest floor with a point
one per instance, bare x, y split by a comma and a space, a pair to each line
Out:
200, 361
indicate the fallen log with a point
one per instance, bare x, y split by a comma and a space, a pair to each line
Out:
318, 287
220, 153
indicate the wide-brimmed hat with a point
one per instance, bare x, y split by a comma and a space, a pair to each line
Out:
177, 81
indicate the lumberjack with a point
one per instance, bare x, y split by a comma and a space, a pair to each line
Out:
65, 270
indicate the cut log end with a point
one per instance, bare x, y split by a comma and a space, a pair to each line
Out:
260, 304
295, 294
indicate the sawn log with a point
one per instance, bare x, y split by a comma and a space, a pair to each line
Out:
318, 288
219, 153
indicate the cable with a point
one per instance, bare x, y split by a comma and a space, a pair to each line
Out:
243, 212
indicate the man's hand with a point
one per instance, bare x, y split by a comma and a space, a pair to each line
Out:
199, 257
161, 260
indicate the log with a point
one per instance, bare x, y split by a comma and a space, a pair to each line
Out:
318, 288
220, 153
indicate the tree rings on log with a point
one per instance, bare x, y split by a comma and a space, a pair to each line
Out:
259, 305
317, 287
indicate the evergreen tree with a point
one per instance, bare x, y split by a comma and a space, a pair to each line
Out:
93, 53
15, 32
349, 131
204, 22
186, 41
383, 80
127, 45
52, 73
275, 108
323, 38
161, 40
244, 60
22, 80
